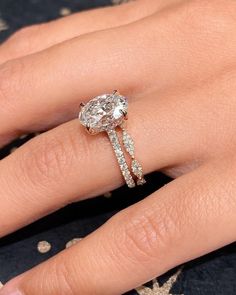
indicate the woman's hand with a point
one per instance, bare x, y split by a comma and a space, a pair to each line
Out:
176, 61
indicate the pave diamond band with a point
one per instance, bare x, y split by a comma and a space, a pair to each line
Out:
121, 158
106, 113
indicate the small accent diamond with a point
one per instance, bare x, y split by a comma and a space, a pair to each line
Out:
141, 181
137, 168
128, 143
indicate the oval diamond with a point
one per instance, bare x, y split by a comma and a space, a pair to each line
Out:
104, 112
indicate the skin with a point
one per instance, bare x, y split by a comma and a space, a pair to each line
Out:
176, 62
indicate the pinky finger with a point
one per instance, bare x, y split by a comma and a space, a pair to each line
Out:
172, 226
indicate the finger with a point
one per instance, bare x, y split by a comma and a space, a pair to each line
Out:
170, 227
41, 36
50, 84
55, 168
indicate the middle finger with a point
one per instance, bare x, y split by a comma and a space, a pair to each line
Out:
50, 84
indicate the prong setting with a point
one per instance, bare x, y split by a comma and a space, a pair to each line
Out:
89, 130
125, 114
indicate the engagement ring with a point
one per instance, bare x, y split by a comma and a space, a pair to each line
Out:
108, 113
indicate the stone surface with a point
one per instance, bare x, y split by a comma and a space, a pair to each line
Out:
103, 112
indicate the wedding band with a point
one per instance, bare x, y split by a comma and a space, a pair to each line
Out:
108, 113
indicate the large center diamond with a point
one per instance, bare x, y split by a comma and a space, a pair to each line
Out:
104, 112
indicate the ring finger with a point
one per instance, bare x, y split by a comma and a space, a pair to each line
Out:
54, 168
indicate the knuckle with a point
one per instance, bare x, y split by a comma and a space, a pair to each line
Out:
146, 232
47, 158
10, 81
24, 40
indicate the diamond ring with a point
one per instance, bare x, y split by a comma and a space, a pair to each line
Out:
108, 113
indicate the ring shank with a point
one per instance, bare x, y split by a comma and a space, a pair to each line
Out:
112, 134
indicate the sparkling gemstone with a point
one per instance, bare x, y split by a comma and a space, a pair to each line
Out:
137, 168
128, 143
141, 181
104, 112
